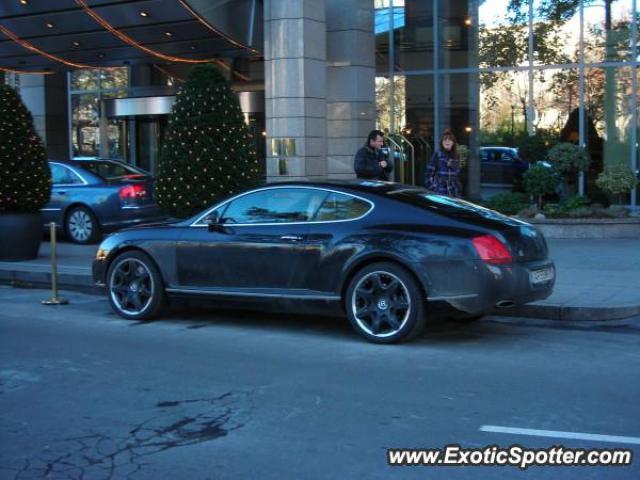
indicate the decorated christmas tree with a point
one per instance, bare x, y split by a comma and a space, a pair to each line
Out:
208, 152
25, 178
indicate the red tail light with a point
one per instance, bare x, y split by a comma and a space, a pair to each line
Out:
492, 250
131, 192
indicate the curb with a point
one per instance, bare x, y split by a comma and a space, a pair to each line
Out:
568, 313
69, 278
79, 279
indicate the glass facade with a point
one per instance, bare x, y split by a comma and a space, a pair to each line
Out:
92, 136
498, 71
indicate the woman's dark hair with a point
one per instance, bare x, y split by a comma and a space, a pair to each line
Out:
449, 134
373, 134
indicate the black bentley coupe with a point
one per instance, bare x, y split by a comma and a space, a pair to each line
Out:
385, 254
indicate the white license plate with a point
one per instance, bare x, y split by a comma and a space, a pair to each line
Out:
541, 276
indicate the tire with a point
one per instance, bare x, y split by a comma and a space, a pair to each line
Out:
134, 286
81, 226
385, 304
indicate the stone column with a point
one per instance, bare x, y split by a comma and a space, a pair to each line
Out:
351, 112
46, 98
295, 89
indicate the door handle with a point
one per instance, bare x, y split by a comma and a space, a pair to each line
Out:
291, 238
61, 192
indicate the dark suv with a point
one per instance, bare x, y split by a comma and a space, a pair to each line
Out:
501, 165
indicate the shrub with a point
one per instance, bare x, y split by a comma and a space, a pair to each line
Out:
508, 203
25, 178
532, 148
617, 179
207, 153
540, 180
568, 158
574, 202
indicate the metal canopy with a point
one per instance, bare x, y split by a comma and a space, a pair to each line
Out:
62, 28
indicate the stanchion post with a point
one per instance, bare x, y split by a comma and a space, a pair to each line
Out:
54, 300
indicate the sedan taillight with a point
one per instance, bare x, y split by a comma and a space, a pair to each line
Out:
131, 192
492, 250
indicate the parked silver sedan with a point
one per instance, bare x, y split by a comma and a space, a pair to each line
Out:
92, 196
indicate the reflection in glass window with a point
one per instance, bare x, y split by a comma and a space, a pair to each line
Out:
113, 170
61, 175
338, 206
279, 205
85, 123
503, 33
114, 78
85, 129
84, 79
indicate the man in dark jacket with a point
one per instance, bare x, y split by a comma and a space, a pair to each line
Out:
369, 162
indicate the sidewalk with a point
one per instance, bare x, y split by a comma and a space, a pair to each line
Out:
597, 280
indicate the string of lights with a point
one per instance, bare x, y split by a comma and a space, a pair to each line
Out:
130, 41
55, 58
229, 39
25, 72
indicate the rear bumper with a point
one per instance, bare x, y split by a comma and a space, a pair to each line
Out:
133, 215
489, 285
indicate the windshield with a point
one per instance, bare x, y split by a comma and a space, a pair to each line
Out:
108, 170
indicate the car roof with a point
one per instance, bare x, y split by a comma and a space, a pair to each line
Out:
359, 185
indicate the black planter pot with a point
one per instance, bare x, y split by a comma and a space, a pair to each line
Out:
20, 236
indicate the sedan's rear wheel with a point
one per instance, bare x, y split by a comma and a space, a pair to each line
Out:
384, 304
81, 226
134, 286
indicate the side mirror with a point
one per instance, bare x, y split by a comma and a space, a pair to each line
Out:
213, 222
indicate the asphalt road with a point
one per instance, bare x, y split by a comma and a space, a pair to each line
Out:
201, 394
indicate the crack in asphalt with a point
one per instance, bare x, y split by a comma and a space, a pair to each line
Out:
181, 423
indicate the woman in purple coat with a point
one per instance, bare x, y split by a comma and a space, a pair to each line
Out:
443, 169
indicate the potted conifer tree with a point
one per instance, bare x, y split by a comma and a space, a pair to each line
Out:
25, 179
208, 152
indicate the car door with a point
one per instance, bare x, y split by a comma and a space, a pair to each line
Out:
259, 242
64, 183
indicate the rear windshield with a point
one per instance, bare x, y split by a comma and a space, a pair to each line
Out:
113, 170
447, 206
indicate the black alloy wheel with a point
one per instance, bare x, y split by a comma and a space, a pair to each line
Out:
81, 226
134, 286
385, 304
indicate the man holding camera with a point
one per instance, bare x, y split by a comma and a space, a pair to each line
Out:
370, 162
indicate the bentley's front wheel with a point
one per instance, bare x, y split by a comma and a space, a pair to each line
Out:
134, 286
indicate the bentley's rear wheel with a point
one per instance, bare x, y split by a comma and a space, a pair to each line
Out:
385, 304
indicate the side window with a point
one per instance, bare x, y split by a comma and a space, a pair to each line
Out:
63, 176
484, 155
278, 205
339, 206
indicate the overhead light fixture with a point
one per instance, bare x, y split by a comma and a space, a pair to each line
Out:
467, 21
101, 55
168, 34
468, 129
193, 47
143, 13
24, 2
76, 44
49, 25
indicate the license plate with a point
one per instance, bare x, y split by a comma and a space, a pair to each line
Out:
541, 276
